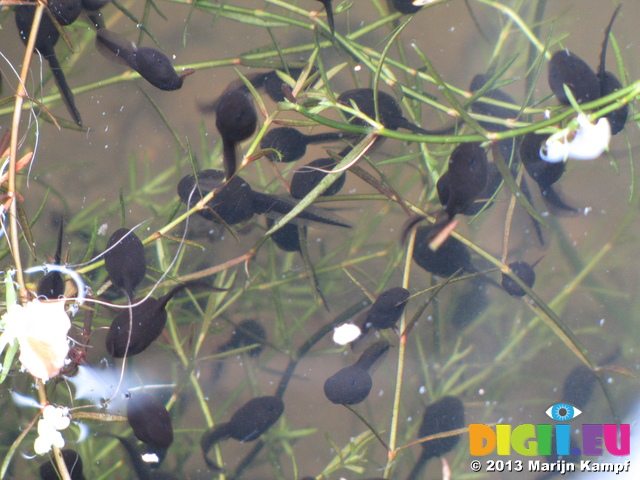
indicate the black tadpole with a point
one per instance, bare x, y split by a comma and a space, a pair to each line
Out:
143, 470
65, 11
306, 178
125, 261
384, 313
352, 385
566, 68
544, 173
524, 272
152, 65
45, 41
390, 113
235, 201
48, 470
471, 207
94, 5
405, 6
247, 424
52, 284
452, 255
466, 177
149, 420
236, 120
134, 329
328, 7
247, 332
609, 83
292, 144
442, 416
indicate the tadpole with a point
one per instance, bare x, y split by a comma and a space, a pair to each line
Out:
247, 424
147, 320
545, 174
45, 41
452, 255
292, 144
609, 83
73, 461
149, 420
287, 238
247, 332
52, 284
467, 177
442, 416
524, 272
390, 113
566, 68
384, 313
235, 201
352, 385
151, 64
143, 470
65, 11
236, 120
329, 9
489, 110
125, 261
306, 178
94, 5
405, 6
494, 179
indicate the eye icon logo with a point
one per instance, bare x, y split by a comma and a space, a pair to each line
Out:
563, 412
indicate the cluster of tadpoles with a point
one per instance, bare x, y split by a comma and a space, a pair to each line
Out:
150, 63
467, 187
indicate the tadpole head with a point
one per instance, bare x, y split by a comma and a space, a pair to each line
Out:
72, 460
524, 272
291, 144
449, 258
149, 420
388, 308
578, 386
248, 332
125, 261
155, 67
272, 83
65, 11
405, 6
255, 417
233, 201
489, 110
609, 83
566, 68
306, 178
236, 117
286, 238
388, 109
543, 173
442, 416
467, 177
47, 33
349, 386
147, 321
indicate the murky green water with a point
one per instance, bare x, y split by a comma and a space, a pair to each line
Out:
506, 358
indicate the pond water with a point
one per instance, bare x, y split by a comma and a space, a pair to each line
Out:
571, 338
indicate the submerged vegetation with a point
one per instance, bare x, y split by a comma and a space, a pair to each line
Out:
309, 166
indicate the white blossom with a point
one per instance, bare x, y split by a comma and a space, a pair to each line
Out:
41, 331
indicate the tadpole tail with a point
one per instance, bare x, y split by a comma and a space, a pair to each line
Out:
406, 124
372, 354
63, 86
229, 158
265, 204
552, 197
330, 137
304, 253
196, 283
605, 44
417, 468
328, 7
209, 439
142, 469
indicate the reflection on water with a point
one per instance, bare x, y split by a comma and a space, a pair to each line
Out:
498, 345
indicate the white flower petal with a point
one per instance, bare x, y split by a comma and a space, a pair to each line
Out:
589, 142
42, 445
